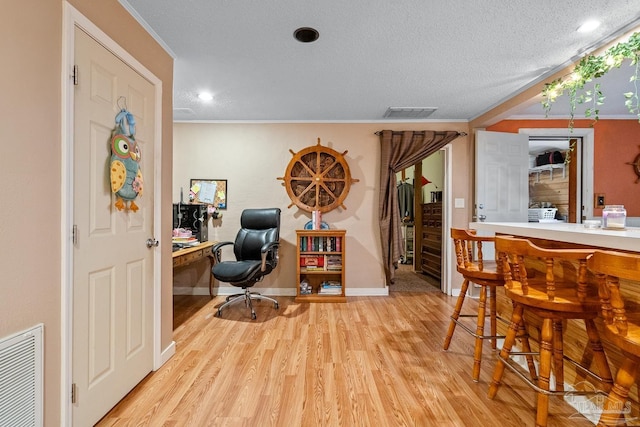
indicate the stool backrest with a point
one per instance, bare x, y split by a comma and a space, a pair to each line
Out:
609, 267
468, 247
513, 252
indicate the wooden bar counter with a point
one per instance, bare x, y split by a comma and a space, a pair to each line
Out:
565, 235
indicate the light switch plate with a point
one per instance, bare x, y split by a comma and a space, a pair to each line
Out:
458, 203
598, 200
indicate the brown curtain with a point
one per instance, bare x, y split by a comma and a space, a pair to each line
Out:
400, 150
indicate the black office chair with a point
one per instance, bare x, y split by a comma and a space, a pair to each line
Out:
256, 252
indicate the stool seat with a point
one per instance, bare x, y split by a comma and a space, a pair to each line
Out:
629, 343
550, 283
488, 271
565, 300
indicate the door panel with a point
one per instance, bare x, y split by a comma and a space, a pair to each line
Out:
502, 184
113, 268
502, 179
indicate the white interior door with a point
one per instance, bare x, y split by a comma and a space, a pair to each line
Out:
502, 171
112, 268
502, 179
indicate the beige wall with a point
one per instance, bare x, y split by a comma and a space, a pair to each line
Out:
30, 229
30, 173
252, 156
31, 114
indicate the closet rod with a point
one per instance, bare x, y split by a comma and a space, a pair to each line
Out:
378, 133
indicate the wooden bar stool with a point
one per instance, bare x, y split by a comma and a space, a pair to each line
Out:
557, 292
475, 269
621, 329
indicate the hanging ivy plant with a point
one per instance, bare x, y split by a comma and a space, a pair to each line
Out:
589, 68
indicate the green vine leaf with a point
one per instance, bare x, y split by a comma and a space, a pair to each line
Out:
592, 67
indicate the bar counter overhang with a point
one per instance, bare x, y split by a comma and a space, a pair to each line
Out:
627, 239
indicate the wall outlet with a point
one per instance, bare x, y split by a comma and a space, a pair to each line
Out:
599, 200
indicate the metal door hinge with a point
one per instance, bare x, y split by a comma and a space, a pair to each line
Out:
74, 75
74, 234
73, 393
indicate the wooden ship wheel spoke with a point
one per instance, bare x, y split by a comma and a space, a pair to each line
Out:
636, 167
317, 178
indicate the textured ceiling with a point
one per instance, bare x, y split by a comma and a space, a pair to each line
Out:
461, 56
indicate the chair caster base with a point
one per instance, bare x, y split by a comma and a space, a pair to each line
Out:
247, 297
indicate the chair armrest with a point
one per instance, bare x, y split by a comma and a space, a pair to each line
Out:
266, 249
215, 250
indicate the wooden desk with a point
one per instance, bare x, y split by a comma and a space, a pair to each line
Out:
190, 255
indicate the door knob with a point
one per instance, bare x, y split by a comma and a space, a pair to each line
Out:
482, 217
151, 242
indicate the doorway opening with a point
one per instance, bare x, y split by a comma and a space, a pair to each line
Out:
423, 224
579, 168
553, 191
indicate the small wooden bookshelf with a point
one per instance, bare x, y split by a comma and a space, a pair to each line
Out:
320, 263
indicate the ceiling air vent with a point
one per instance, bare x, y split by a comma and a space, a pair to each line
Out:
409, 112
183, 113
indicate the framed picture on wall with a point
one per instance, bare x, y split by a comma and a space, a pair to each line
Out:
209, 192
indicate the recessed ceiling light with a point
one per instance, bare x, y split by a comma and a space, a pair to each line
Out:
589, 26
306, 34
205, 96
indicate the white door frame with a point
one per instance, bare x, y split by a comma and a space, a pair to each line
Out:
585, 164
447, 214
72, 18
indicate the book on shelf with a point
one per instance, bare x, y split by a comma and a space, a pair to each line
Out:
330, 287
312, 261
330, 291
311, 268
320, 244
331, 284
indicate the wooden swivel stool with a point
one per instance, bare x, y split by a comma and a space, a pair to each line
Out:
551, 285
622, 332
475, 269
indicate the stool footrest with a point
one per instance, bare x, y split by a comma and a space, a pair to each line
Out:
517, 369
472, 332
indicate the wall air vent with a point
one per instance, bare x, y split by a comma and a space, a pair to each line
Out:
409, 112
21, 378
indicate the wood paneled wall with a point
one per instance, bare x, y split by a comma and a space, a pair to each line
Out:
545, 187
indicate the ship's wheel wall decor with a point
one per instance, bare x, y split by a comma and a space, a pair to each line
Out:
317, 179
636, 167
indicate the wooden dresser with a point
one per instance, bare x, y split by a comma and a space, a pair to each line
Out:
431, 242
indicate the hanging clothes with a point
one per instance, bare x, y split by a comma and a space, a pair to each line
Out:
405, 201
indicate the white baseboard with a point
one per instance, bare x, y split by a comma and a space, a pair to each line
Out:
167, 354
287, 292
187, 290
232, 290
367, 292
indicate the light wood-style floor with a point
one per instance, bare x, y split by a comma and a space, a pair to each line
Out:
374, 361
